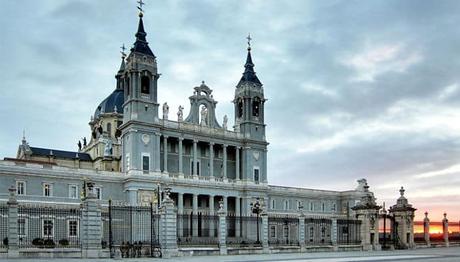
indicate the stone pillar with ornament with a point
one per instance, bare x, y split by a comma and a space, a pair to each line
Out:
13, 240
426, 229
403, 214
168, 221
367, 212
222, 231
91, 224
445, 230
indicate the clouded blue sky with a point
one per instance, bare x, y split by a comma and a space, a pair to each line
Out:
356, 88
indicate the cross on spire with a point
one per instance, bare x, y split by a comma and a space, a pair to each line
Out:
141, 3
123, 48
249, 41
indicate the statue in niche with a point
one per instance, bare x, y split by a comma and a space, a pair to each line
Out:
180, 114
204, 115
108, 147
224, 125
165, 111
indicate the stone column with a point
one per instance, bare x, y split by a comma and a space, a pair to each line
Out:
445, 230
195, 215
237, 214
211, 160
224, 163
224, 198
180, 211
237, 163
181, 172
264, 232
168, 240
211, 205
157, 153
334, 234
222, 231
91, 226
426, 229
195, 159
165, 154
13, 240
302, 232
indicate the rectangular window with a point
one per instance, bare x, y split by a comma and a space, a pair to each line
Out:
311, 233
323, 207
192, 166
21, 188
98, 192
311, 206
145, 163
73, 191
48, 228
273, 231
72, 228
273, 204
21, 226
299, 205
333, 208
286, 232
47, 189
256, 175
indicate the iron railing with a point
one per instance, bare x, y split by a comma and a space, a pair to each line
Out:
197, 229
283, 230
348, 232
49, 227
242, 230
3, 227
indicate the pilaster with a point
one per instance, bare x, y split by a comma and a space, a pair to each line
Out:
222, 232
302, 232
264, 232
91, 226
168, 241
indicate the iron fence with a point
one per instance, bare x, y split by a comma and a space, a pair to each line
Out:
197, 229
3, 228
318, 231
134, 230
283, 230
243, 231
348, 232
49, 227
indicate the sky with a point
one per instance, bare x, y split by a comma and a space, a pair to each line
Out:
356, 89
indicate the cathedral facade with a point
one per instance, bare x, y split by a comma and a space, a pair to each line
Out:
138, 147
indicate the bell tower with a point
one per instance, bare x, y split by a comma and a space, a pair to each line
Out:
249, 121
140, 139
249, 102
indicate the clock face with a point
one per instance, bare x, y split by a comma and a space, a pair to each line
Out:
145, 138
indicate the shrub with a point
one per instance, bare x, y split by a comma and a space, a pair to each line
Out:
49, 243
64, 242
5, 241
38, 242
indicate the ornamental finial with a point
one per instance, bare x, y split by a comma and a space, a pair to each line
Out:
123, 48
249, 41
141, 9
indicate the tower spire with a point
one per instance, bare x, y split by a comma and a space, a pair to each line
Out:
141, 44
249, 74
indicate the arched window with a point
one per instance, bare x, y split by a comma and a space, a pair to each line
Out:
145, 85
128, 91
240, 108
256, 107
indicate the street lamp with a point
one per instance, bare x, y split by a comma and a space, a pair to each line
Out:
256, 208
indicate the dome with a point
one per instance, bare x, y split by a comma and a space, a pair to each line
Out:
116, 99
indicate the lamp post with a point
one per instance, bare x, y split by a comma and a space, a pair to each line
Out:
256, 208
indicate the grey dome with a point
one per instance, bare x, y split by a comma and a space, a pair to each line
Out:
116, 99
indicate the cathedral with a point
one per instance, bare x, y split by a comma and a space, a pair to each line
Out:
138, 147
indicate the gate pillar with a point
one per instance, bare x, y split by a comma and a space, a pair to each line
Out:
168, 223
367, 212
13, 241
403, 214
91, 225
